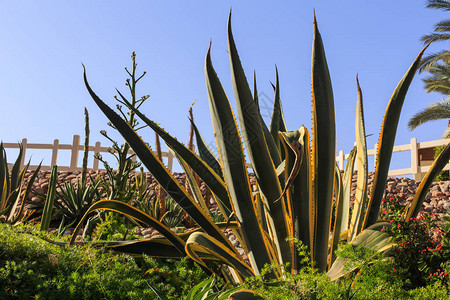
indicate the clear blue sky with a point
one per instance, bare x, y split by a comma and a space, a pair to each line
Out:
43, 44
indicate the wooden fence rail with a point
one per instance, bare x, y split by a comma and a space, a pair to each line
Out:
420, 163
75, 149
421, 157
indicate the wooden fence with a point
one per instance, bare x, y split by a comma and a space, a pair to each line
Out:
420, 157
418, 167
74, 149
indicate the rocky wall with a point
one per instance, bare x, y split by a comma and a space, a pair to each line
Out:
437, 200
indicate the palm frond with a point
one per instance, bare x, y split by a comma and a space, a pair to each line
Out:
435, 37
439, 4
446, 134
428, 61
435, 111
442, 26
439, 81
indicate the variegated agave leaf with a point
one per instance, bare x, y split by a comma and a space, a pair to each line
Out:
297, 172
371, 238
386, 141
200, 167
206, 152
232, 160
258, 152
441, 161
160, 172
339, 203
323, 150
274, 153
134, 213
201, 247
360, 204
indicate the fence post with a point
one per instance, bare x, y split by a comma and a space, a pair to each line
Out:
54, 152
375, 148
341, 159
96, 152
24, 148
169, 160
74, 155
414, 158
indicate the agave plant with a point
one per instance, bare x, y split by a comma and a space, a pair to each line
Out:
296, 172
13, 191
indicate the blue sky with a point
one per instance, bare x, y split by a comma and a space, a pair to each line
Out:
43, 44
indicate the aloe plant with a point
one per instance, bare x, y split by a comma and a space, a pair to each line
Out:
297, 178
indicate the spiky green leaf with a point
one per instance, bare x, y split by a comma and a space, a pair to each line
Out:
258, 151
440, 162
234, 168
360, 204
159, 171
386, 141
323, 149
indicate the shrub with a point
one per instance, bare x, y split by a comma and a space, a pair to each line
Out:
421, 248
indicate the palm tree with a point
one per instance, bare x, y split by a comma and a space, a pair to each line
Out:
437, 65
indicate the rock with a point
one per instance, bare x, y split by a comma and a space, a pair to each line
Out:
410, 198
434, 187
446, 206
147, 231
38, 191
437, 194
68, 231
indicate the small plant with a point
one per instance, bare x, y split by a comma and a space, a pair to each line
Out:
421, 252
391, 209
75, 200
112, 227
173, 216
149, 202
